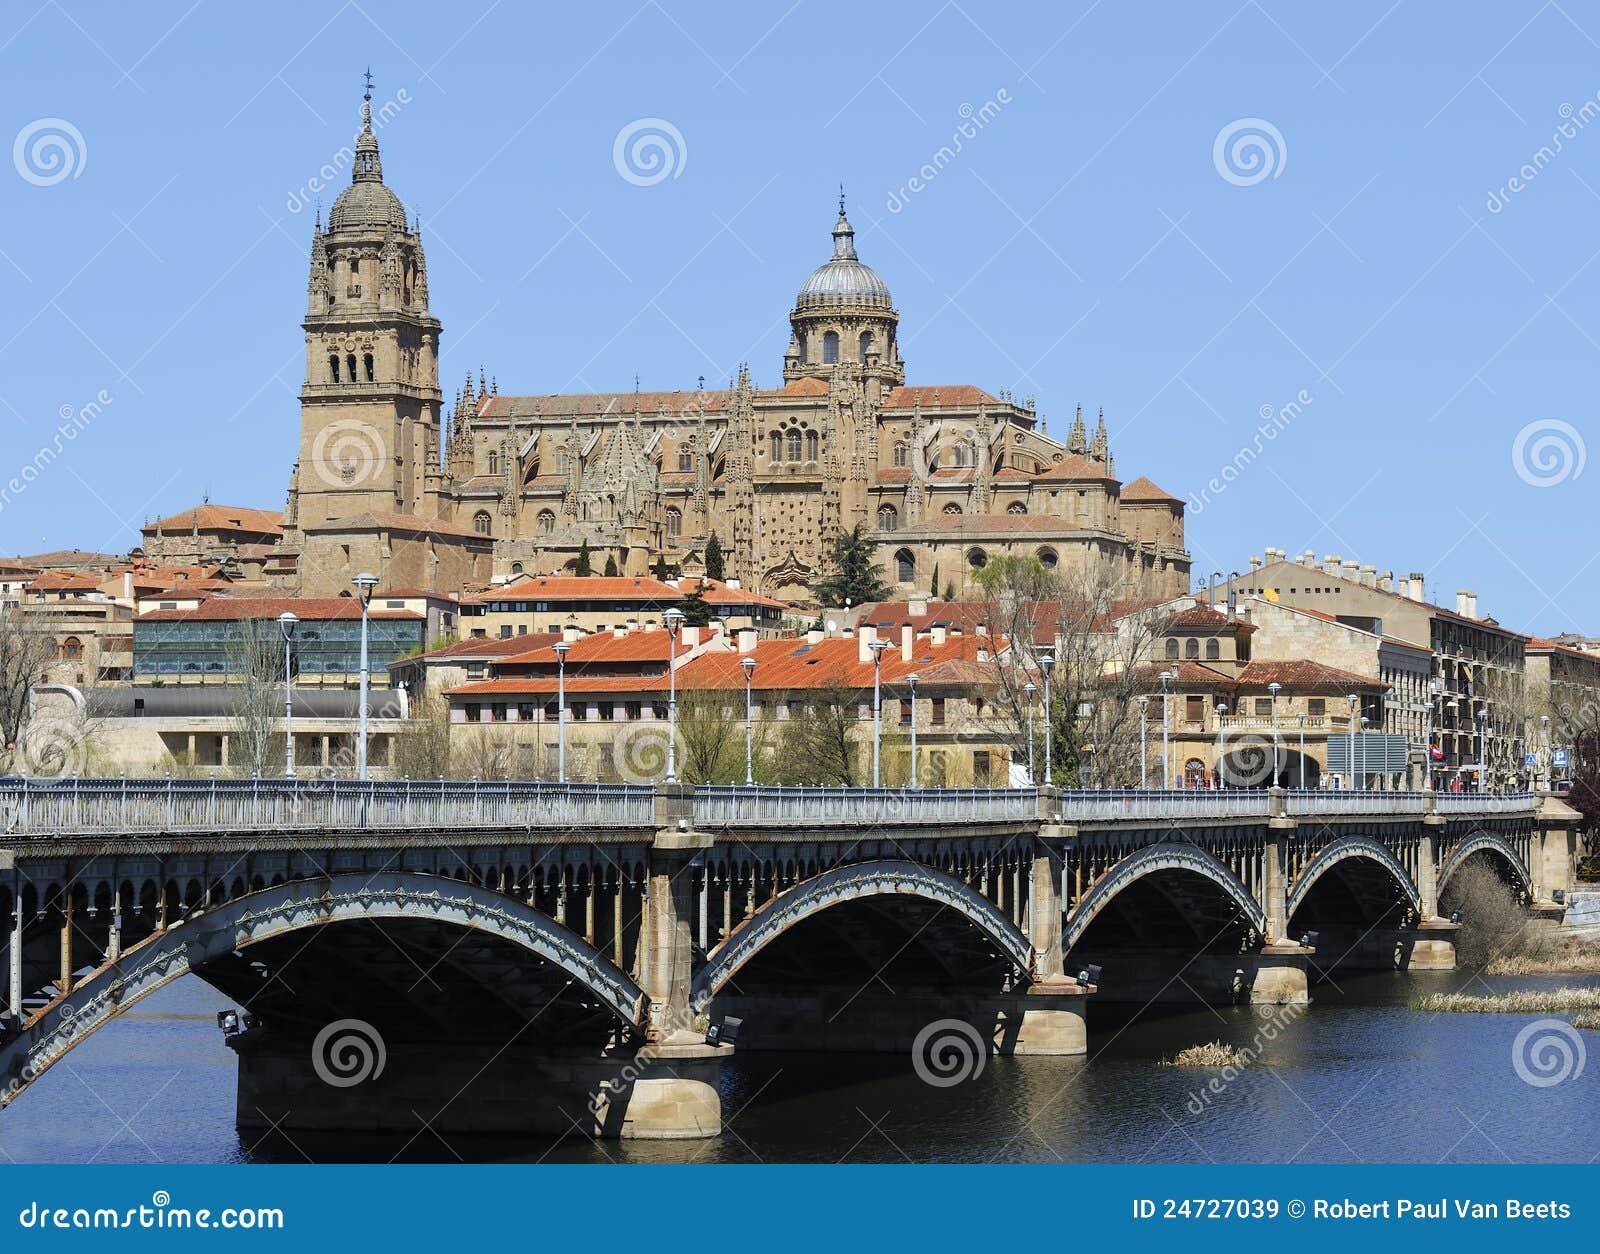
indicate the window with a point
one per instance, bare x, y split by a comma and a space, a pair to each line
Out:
1264, 707
1191, 649
350, 361
1213, 650
793, 445
952, 508
475, 670
900, 453
1172, 650
905, 566
474, 712
333, 367
830, 348
547, 522
977, 559
777, 446
505, 631
525, 711
366, 362
936, 711
887, 518
494, 463
497, 711
1194, 709
674, 523
1317, 707
1016, 507
480, 522
685, 457
813, 446
1047, 558
71, 649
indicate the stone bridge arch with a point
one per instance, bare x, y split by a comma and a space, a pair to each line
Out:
1153, 860
300, 905
1342, 850
1496, 847
854, 882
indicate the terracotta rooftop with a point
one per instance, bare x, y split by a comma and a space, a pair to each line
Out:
1304, 675
1141, 489
257, 522
782, 665
483, 648
958, 395
1075, 468
577, 588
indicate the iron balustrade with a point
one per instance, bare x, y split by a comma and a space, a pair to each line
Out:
78, 806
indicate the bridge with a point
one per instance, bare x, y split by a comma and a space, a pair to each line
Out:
577, 957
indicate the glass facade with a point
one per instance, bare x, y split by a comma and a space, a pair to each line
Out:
207, 649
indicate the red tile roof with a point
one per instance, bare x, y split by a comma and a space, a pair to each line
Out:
1304, 675
1141, 489
515, 686
1075, 468
802, 387
603, 648
483, 648
793, 663
208, 517
958, 395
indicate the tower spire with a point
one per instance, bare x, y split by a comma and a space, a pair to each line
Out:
367, 168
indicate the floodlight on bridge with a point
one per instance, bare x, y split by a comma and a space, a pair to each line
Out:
1455, 916
1309, 940
228, 1021
1089, 975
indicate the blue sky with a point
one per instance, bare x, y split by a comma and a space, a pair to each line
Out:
1086, 244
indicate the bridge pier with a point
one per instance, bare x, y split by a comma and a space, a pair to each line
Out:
1278, 975
1554, 849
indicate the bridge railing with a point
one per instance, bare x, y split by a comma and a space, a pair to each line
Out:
1136, 803
75, 807
756, 805
1485, 802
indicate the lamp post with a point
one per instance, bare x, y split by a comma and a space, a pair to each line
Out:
1363, 750
1030, 688
877, 647
1350, 729
1435, 690
748, 666
560, 648
1047, 663
364, 585
1544, 752
1273, 689
1222, 744
1166, 752
1144, 764
911, 683
1483, 748
673, 618
286, 624
1301, 773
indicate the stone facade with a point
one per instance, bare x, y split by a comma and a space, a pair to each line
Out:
943, 477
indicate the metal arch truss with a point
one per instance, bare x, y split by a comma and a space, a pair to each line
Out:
296, 906
1167, 856
1480, 842
1351, 847
883, 877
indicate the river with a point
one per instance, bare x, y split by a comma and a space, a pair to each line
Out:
1360, 1077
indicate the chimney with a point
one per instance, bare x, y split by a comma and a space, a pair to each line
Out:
1330, 563
619, 631
571, 632
1467, 603
690, 636
814, 635
865, 635
747, 640
127, 584
732, 583
1351, 570
936, 634
917, 606
1386, 581
1369, 576
1255, 561
983, 655
907, 636
1418, 591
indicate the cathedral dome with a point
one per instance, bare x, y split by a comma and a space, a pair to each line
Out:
843, 280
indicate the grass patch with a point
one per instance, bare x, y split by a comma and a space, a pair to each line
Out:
1589, 1019
1211, 1054
1527, 1001
1566, 956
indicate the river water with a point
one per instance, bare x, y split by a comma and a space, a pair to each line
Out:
1360, 1077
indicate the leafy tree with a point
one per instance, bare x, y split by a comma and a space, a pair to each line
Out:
949, 591
853, 575
660, 569
714, 558
583, 569
696, 609
933, 584
611, 566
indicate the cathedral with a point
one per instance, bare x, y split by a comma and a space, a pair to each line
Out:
942, 477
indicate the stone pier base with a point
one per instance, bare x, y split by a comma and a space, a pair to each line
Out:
1428, 947
643, 1092
1043, 1022
1433, 947
1279, 976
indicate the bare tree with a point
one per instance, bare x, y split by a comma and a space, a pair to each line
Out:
1099, 630
255, 727
26, 651
819, 747
710, 736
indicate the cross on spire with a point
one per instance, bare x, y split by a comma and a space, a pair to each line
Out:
841, 200
368, 95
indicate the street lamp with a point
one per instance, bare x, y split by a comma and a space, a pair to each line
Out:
877, 647
1166, 753
1363, 750
1030, 688
748, 666
1144, 766
1301, 773
911, 683
1222, 744
673, 618
1350, 729
1047, 663
364, 585
1273, 689
560, 648
286, 624
1544, 751
1483, 748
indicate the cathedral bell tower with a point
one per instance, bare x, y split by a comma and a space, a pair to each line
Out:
369, 407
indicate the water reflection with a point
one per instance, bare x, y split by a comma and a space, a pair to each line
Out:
1360, 1077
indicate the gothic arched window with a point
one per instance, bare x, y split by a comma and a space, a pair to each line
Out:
480, 522
350, 360
900, 453
830, 348
494, 463
547, 522
333, 367
794, 444
777, 446
1016, 507
685, 457
674, 523
366, 362
905, 566
888, 518
866, 344
813, 446
952, 508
